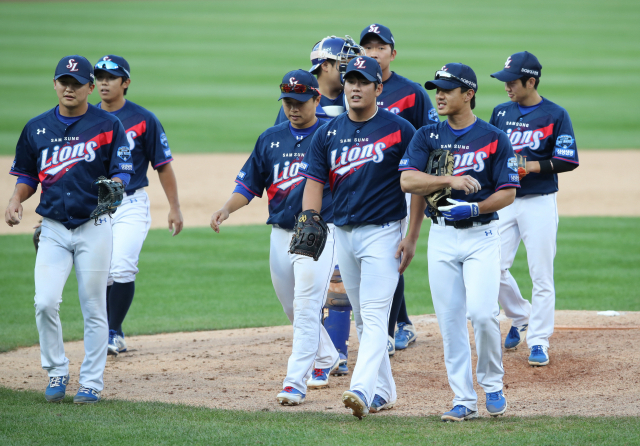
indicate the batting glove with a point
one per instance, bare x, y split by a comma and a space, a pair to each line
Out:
459, 210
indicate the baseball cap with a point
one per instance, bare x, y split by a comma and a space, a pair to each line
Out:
367, 67
115, 65
302, 78
519, 65
76, 66
380, 31
453, 75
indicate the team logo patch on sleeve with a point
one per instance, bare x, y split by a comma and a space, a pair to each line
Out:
124, 153
514, 178
404, 162
304, 166
564, 141
433, 115
512, 163
241, 175
126, 166
167, 153
163, 140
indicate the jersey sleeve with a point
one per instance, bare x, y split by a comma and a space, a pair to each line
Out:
25, 164
252, 177
505, 166
119, 143
156, 144
565, 148
315, 165
425, 112
417, 153
281, 117
492, 121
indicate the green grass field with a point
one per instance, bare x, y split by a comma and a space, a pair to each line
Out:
211, 70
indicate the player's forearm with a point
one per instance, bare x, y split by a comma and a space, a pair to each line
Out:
235, 202
312, 197
169, 184
416, 216
420, 183
22, 192
497, 201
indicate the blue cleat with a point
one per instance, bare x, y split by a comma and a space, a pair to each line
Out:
355, 400
379, 404
405, 335
56, 388
290, 396
496, 403
86, 395
112, 346
515, 337
538, 356
342, 368
320, 377
122, 346
391, 346
459, 413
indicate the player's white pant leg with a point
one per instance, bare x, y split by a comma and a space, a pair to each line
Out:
369, 270
301, 285
405, 221
131, 224
538, 222
516, 307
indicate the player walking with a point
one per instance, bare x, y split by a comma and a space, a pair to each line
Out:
464, 243
147, 143
357, 155
65, 150
542, 132
300, 282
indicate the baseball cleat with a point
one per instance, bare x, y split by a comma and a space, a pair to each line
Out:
112, 346
391, 346
379, 404
86, 395
122, 346
342, 368
355, 400
496, 403
515, 336
320, 377
56, 388
405, 335
459, 413
539, 356
290, 396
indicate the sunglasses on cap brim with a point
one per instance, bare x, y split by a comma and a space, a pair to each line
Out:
445, 75
298, 89
110, 65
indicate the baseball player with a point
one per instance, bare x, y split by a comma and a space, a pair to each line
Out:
300, 282
357, 153
65, 150
464, 242
542, 132
409, 100
147, 144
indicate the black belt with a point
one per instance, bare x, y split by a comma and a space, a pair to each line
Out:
461, 224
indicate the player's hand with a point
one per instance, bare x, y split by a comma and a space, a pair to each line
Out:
13, 213
175, 221
217, 218
406, 248
459, 210
466, 183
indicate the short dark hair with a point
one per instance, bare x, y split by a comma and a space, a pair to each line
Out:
524, 80
317, 70
364, 42
473, 99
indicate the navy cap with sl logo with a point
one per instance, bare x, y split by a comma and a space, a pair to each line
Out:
367, 67
518, 65
115, 65
453, 75
299, 85
76, 66
380, 31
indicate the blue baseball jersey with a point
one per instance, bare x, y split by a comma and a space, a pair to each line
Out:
408, 100
66, 160
274, 165
484, 152
359, 161
147, 142
545, 133
320, 110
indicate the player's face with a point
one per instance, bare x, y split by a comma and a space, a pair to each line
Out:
450, 102
360, 92
516, 91
380, 51
300, 114
110, 87
71, 93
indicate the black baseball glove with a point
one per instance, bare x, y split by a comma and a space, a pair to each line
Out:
440, 164
110, 194
36, 237
310, 235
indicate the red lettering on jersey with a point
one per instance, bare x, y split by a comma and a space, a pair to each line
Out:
139, 128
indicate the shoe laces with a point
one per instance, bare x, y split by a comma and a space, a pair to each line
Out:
537, 350
112, 334
88, 390
378, 401
514, 332
288, 389
55, 381
317, 373
493, 396
464, 409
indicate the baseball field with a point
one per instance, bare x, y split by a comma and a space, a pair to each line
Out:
208, 339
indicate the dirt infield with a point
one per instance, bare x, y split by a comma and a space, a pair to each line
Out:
591, 373
206, 181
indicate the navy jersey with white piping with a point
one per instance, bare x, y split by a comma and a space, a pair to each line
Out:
321, 112
484, 153
147, 142
408, 100
274, 165
66, 160
544, 133
359, 160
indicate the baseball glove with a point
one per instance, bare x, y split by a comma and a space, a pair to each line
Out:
310, 235
110, 194
440, 164
522, 165
36, 237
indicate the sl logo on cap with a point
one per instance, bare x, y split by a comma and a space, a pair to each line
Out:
506, 64
73, 65
374, 29
293, 81
359, 63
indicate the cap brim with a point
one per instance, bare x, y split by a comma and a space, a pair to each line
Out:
506, 76
364, 74
443, 84
302, 97
82, 80
385, 40
113, 72
314, 68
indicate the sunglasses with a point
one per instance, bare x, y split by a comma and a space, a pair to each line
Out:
110, 65
449, 77
298, 89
